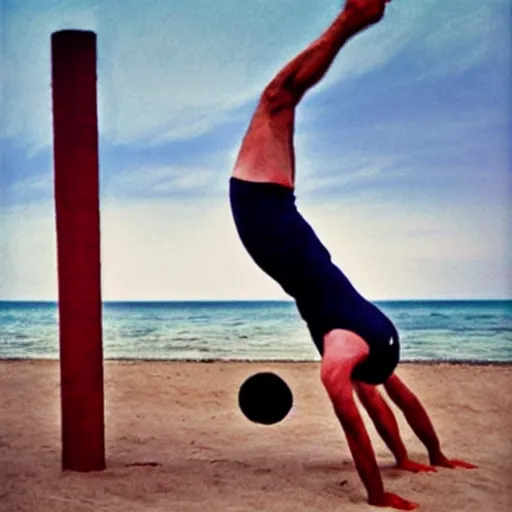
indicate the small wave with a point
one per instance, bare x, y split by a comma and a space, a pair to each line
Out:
480, 316
21, 336
137, 332
438, 315
499, 329
185, 338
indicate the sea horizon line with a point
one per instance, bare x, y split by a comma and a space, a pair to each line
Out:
249, 301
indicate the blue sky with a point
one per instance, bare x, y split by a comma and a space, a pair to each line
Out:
403, 151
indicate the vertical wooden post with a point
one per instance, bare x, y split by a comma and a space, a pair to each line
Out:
75, 135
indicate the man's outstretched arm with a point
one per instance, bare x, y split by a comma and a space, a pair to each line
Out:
418, 419
343, 350
362, 452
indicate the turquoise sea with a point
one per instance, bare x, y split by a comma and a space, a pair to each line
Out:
264, 330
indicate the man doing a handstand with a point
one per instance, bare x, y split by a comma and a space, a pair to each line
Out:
359, 345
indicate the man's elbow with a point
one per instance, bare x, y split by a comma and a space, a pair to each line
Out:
337, 383
335, 377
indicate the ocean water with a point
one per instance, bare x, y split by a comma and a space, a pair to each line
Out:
265, 330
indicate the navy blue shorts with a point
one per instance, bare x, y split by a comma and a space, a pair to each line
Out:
284, 245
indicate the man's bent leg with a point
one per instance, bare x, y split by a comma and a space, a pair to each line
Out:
267, 152
387, 426
418, 419
308, 68
383, 419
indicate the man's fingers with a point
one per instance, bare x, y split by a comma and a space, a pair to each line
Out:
463, 464
394, 501
401, 504
415, 467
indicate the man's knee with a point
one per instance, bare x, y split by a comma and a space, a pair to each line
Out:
276, 97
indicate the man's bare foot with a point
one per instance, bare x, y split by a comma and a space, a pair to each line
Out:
389, 499
442, 461
414, 467
363, 13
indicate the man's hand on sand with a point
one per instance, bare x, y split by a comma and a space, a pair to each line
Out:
414, 467
441, 461
394, 501
365, 12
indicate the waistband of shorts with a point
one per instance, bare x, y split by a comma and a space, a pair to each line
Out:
261, 187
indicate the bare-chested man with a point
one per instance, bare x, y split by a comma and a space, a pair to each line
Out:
358, 343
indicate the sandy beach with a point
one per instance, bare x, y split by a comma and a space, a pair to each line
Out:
176, 441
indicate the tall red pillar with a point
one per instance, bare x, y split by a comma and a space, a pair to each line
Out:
75, 136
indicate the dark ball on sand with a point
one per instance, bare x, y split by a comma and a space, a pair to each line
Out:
265, 398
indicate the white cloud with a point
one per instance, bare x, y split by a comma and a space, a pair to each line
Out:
40, 186
318, 173
26, 63
28, 261
165, 69
176, 69
198, 177
445, 37
167, 251
185, 250
401, 251
168, 179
